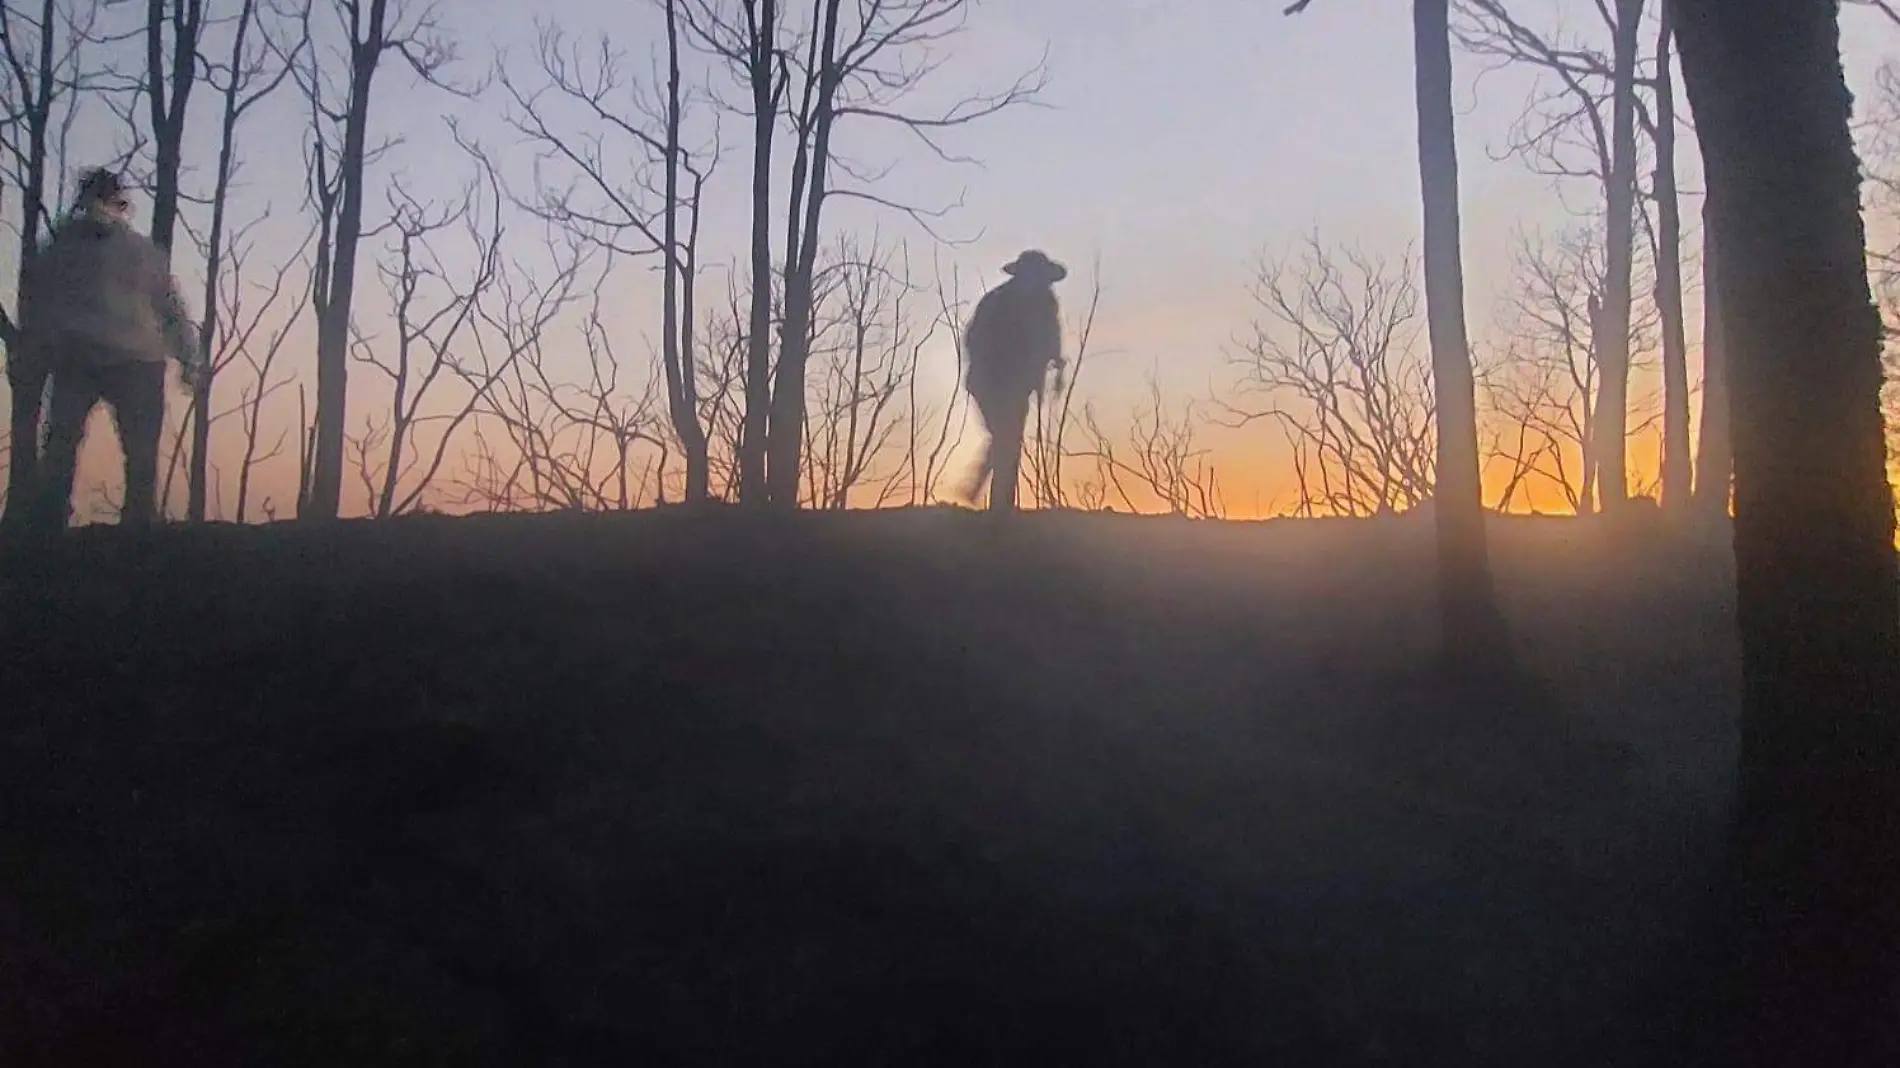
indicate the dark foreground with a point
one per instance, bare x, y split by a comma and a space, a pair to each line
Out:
889, 789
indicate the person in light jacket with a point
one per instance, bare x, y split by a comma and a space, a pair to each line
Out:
101, 309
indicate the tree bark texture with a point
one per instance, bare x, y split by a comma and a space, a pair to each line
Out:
1817, 890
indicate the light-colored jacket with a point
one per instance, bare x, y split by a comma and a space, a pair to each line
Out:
101, 291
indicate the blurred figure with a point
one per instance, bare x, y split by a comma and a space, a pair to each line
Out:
1012, 342
100, 311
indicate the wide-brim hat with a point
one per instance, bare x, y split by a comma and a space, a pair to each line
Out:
1034, 264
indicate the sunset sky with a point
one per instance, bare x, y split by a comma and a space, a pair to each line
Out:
1175, 142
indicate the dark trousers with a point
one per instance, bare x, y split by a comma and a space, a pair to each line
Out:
136, 392
26, 380
1003, 416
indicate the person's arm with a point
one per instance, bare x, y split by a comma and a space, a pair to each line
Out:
1049, 342
182, 341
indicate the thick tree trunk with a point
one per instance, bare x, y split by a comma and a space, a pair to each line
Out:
1472, 629
1613, 326
1818, 857
1715, 462
1677, 472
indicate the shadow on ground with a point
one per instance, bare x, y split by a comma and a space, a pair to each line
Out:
911, 787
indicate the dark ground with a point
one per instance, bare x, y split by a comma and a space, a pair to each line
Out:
905, 788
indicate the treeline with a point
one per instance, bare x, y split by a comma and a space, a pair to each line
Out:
534, 311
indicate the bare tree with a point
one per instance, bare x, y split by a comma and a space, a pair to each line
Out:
1715, 458
749, 41
260, 350
1620, 248
1542, 388
864, 62
952, 313
41, 47
622, 176
339, 153
241, 334
1159, 460
721, 368
1677, 470
1554, 128
1472, 629
1334, 364
543, 439
170, 75
867, 350
432, 314
571, 444
255, 68
1056, 417
1473, 638
682, 265
1817, 605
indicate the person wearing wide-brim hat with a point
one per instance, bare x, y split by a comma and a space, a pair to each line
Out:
101, 310
1012, 343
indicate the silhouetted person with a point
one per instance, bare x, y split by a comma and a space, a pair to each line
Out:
1012, 342
101, 311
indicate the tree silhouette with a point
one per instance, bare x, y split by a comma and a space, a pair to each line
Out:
1334, 364
1584, 128
1473, 641
42, 78
1715, 456
340, 152
1472, 633
1818, 839
1677, 471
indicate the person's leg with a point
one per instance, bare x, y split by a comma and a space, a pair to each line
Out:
136, 392
972, 486
75, 391
1006, 453
26, 377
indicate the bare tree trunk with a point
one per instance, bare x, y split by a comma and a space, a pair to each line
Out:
26, 375
810, 175
1677, 472
1472, 635
234, 105
1818, 846
333, 320
168, 85
676, 328
1613, 333
762, 71
1715, 464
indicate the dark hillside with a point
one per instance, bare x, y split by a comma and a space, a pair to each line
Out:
899, 788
